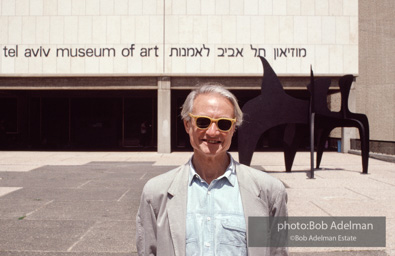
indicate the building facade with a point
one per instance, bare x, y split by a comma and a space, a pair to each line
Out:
112, 74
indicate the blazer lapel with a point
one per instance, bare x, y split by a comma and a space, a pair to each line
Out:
176, 210
253, 205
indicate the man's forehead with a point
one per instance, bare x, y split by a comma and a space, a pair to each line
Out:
209, 102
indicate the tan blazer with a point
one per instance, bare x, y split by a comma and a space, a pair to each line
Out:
161, 219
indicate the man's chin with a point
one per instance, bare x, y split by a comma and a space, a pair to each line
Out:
212, 150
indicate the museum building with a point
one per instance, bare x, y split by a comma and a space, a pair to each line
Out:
112, 75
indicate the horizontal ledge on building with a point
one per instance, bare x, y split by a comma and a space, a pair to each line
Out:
378, 156
168, 75
301, 75
80, 75
79, 88
228, 87
245, 88
40, 88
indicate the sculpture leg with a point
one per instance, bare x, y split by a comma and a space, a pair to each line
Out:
361, 122
292, 139
322, 137
247, 144
363, 127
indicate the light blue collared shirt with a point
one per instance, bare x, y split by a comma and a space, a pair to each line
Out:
215, 223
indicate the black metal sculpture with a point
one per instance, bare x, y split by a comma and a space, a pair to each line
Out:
327, 120
274, 107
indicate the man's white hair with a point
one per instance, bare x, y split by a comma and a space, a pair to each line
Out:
207, 88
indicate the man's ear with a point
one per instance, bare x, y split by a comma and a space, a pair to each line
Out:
187, 125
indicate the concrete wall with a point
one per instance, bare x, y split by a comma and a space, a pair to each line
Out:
375, 86
177, 37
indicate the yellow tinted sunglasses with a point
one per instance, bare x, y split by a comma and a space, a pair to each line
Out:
204, 122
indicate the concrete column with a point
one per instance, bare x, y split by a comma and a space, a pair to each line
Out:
164, 115
349, 133
346, 139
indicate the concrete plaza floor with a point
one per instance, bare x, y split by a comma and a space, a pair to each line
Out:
84, 203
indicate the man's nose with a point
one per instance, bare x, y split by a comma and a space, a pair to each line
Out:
212, 129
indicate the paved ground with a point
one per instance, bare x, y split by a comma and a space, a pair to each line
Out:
84, 203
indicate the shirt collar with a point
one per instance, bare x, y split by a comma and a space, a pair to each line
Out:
230, 172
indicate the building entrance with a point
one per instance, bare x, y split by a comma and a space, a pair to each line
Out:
140, 123
80, 120
96, 123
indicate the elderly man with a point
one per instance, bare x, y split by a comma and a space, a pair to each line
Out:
202, 207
